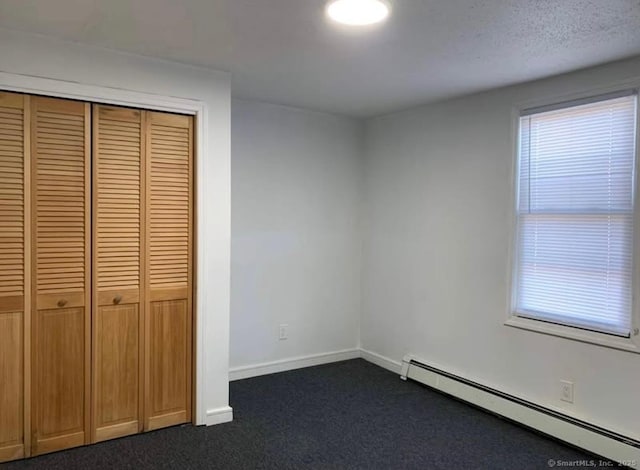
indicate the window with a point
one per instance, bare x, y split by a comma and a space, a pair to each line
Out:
575, 214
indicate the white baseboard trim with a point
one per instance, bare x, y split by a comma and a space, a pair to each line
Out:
282, 365
600, 441
380, 360
219, 416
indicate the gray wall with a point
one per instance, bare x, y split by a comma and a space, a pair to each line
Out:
296, 240
437, 227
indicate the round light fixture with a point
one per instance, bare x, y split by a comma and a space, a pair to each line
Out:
358, 12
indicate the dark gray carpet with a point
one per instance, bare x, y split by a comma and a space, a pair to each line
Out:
348, 415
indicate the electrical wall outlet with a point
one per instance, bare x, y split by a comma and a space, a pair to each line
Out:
566, 391
284, 332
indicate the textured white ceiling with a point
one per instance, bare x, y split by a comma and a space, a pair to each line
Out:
284, 51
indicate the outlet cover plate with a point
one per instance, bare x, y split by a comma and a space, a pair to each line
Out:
566, 391
284, 332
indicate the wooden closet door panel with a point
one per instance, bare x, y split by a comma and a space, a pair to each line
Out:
169, 269
168, 370
116, 408
117, 260
60, 179
14, 273
60, 345
11, 386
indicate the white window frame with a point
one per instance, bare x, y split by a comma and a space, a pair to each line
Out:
631, 344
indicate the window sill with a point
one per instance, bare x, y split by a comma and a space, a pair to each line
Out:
599, 339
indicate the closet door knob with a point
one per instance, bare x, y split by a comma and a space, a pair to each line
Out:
117, 299
62, 303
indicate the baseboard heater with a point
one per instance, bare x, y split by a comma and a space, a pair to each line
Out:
594, 439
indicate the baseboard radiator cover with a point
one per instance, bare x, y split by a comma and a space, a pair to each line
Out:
595, 439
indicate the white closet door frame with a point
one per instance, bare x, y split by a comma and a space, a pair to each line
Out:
135, 99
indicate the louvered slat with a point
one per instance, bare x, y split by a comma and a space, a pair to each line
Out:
169, 209
117, 159
12, 195
60, 177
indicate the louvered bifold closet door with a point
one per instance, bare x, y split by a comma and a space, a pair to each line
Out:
118, 251
169, 269
14, 272
60, 153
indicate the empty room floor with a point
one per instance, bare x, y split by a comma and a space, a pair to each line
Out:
346, 415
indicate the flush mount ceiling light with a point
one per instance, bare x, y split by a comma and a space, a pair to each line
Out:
358, 12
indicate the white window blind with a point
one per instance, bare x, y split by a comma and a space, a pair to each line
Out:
575, 215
